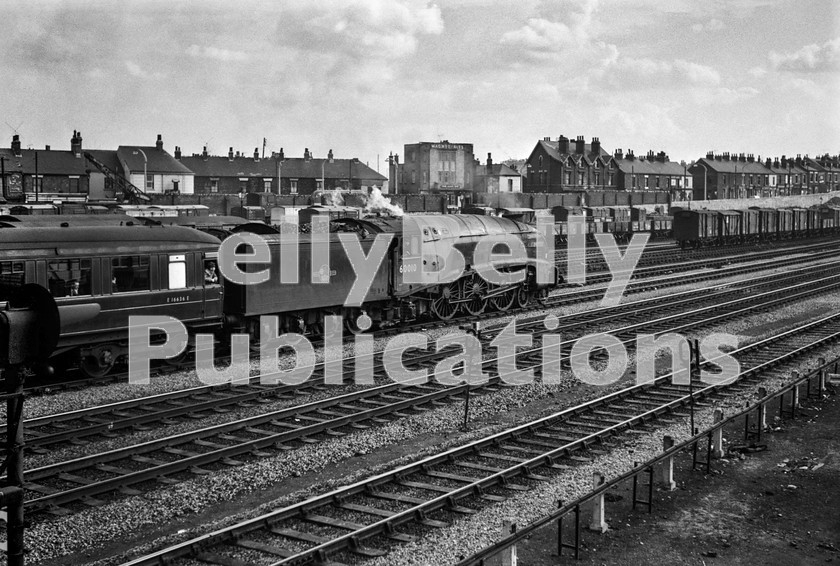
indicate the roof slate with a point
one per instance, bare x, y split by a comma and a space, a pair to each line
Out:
297, 167
159, 161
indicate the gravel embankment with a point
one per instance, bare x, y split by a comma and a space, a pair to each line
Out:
96, 526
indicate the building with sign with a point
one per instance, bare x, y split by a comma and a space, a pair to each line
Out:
438, 167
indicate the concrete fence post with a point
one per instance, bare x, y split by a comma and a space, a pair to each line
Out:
668, 465
794, 402
509, 554
762, 414
717, 435
598, 523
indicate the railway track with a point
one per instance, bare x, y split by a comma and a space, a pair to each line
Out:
84, 479
364, 518
194, 403
657, 276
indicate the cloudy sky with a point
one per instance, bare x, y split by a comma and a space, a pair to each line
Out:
364, 77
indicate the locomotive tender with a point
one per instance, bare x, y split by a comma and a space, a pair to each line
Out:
159, 270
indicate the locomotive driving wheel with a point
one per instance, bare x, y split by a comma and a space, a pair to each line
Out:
442, 306
474, 289
523, 296
99, 362
505, 300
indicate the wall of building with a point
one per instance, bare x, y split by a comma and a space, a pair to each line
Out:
799, 201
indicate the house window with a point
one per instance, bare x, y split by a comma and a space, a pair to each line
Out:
610, 178
38, 183
657, 181
266, 185
293, 186
597, 177
319, 185
214, 185
243, 185
74, 185
413, 176
150, 182
567, 178
510, 185
580, 178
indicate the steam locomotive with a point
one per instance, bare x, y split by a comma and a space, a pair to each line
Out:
160, 270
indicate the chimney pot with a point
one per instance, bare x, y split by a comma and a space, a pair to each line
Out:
230, 154
178, 152
256, 154
159, 142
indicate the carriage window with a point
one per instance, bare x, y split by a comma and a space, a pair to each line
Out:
12, 276
177, 272
69, 277
130, 273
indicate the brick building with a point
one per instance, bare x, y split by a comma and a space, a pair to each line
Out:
564, 166
433, 167
727, 175
278, 174
496, 178
49, 174
652, 172
154, 170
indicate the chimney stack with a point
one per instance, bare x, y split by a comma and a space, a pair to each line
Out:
46, 148
596, 146
76, 143
306, 155
580, 145
16, 144
159, 143
618, 154
230, 154
256, 154
710, 155
563, 144
204, 153
750, 158
178, 152
330, 156
489, 164
281, 156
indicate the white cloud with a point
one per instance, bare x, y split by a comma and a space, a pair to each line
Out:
712, 25
211, 52
136, 70
757, 72
542, 37
646, 72
381, 29
810, 58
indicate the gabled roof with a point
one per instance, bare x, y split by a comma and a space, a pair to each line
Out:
159, 161
50, 162
552, 149
296, 167
496, 170
734, 166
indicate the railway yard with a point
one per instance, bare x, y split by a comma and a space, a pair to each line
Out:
181, 472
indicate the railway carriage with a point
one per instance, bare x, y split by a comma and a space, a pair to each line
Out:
153, 270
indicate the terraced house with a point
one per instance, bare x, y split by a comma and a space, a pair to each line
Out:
564, 166
652, 172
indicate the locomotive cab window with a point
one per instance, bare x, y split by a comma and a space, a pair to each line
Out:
12, 276
130, 273
69, 277
177, 272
